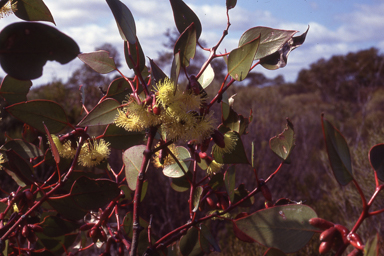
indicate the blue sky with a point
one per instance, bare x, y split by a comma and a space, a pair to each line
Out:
336, 27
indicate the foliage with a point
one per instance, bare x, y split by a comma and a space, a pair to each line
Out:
71, 194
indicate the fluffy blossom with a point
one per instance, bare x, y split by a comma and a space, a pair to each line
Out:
94, 152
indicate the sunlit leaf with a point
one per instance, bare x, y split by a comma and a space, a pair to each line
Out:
132, 159
283, 143
25, 48
23, 149
240, 59
230, 179
184, 17
14, 90
372, 248
103, 113
37, 112
32, 10
98, 61
271, 40
174, 170
376, 157
196, 198
207, 77
279, 58
175, 68
286, 227
186, 45
181, 184
52, 145
121, 138
124, 20
338, 153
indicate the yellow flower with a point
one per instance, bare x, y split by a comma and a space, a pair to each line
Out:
94, 152
2, 160
65, 150
230, 141
167, 160
165, 92
8, 9
214, 167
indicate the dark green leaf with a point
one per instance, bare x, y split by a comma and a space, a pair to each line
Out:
156, 73
376, 157
124, 20
98, 61
237, 156
19, 169
234, 121
174, 170
188, 241
206, 233
119, 89
56, 244
230, 182
121, 138
128, 221
196, 198
144, 190
37, 112
271, 40
181, 184
91, 194
103, 113
338, 153
286, 227
283, 143
54, 226
184, 17
131, 49
25, 48
186, 45
240, 193
274, 252
231, 4
23, 149
216, 181
240, 59
279, 58
14, 90
32, 10
133, 158
67, 208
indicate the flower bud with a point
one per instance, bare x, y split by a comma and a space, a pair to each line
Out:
321, 223
325, 247
355, 241
268, 204
328, 234
343, 232
203, 155
266, 192
87, 226
205, 145
25, 231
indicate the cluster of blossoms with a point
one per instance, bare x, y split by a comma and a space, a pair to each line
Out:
175, 111
92, 152
8, 9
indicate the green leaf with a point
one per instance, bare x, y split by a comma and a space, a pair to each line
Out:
119, 89
237, 156
184, 17
188, 241
283, 143
230, 182
19, 169
156, 73
376, 157
207, 77
274, 252
216, 181
54, 226
196, 198
25, 48
133, 158
279, 58
136, 56
206, 233
240, 59
186, 45
144, 190
14, 90
124, 20
127, 224
67, 208
239, 194
91, 194
121, 138
175, 68
174, 170
32, 10
181, 184
234, 121
271, 39
285, 228
23, 149
98, 61
103, 113
37, 112
56, 245
231, 4
338, 153
371, 248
